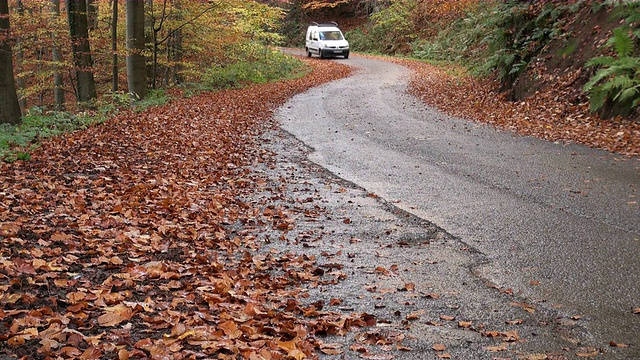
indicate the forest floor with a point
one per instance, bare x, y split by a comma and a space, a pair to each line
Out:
547, 114
135, 238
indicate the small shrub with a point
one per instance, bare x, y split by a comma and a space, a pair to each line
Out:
615, 87
257, 66
17, 140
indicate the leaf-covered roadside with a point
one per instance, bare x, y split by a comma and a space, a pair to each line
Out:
130, 239
546, 115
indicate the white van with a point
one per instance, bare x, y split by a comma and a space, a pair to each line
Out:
326, 40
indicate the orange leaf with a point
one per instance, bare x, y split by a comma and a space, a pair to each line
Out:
115, 315
410, 286
439, 347
501, 347
465, 324
618, 345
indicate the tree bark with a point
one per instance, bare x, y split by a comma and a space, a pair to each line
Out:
22, 101
56, 57
79, 30
9, 107
92, 14
136, 64
114, 46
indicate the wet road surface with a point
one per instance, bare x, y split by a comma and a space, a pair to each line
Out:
558, 224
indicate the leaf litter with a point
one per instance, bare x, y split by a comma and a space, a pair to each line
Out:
143, 238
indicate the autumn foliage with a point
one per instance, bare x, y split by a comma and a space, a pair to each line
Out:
131, 239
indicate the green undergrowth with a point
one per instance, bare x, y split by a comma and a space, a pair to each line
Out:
502, 38
16, 141
251, 65
254, 65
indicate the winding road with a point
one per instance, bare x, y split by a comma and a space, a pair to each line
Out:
558, 224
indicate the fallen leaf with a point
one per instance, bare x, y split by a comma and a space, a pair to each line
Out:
447, 317
439, 347
372, 356
115, 315
415, 315
444, 356
496, 348
536, 357
618, 345
526, 307
431, 296
587, 352
409, 287
465, 324
331, 348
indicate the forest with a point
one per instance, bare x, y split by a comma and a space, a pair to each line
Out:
142, 216
69, 66
99, 52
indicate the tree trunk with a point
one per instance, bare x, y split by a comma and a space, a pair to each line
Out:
56, 57
177, 57
114, 46
22, 101
136, 64
9, 107
79, 30
149, 24
174, 53
92, 14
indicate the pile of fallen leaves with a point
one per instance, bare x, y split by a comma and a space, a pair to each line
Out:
546, 115
130, 240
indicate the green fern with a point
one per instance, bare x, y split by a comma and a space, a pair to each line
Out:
621, 41
615, 87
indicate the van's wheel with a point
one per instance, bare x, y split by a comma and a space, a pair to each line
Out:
321, 55
308, 53
346, 56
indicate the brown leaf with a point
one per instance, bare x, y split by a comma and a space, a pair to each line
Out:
587, 352
536, 357
439, 347
495, 348
465, 324
415, 315
444, 356
432, 296
115, 315
410, 287
447, 317
526, 307
618, 345
372, 356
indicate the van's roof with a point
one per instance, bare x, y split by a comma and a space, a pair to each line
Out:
325, 28
331, 24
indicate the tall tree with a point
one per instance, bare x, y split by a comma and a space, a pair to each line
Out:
22, 101
92, 14
136, 64
79, 31
9, 107
114, 46
56, 57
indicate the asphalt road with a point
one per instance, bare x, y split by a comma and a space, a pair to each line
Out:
557, 224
